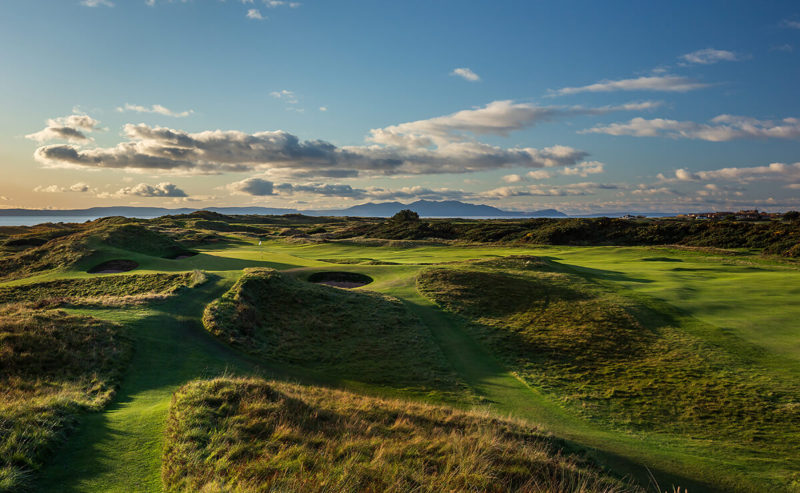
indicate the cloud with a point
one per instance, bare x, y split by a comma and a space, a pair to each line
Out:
271, 4
773, 171
466, 74
445, 144
496, 118
720, 129
261, 187
651, 190
71, 128
539, 174
156, 108
97, 3
663, 83
513, 178
709, 56
164, 189
77, 187
163, 149
575, 189
255, 14
252, 186
323, 108
286, 95
584, 169
791, 24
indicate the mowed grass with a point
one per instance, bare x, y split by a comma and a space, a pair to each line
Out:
621, 363
355, 336
122, 446
252, 435
53, 367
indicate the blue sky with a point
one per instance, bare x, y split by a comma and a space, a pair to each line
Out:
578, 105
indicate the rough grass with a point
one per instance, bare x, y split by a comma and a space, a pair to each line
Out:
360, 336
106, 290
615, 361
252, 435
65, 251
53, 366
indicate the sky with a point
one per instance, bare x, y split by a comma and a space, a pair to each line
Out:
583, 106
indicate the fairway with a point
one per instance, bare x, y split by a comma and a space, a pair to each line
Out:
121, 446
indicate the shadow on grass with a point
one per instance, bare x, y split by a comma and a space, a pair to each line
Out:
119, 447
590, 273
496, 386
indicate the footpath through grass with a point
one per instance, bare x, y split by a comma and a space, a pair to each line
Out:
120, 448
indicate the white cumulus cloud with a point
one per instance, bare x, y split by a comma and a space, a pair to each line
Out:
466, 74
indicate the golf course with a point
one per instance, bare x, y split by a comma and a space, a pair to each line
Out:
278, 355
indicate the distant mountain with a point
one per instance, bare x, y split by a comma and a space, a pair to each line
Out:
425, 208
430, 208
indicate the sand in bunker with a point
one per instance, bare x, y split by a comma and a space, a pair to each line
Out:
343, 284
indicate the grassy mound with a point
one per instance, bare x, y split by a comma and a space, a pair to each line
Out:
52, 367
65, 251
613, 360
101, 290
358, 336
252, 435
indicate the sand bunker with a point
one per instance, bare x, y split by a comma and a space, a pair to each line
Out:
346, 280
113, 267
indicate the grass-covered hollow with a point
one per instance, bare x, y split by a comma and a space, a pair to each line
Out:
53, 366
359, 336
620, 362
106, 290
252, 435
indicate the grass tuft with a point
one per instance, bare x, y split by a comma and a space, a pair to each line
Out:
252, 435
53, 366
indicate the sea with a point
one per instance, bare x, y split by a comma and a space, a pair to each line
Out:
34, 220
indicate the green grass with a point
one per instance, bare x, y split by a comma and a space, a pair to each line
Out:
700, 291
619, 362
101, 290
53, 367
357, 336
253, 435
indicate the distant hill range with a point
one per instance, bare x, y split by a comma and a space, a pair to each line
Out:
425, 208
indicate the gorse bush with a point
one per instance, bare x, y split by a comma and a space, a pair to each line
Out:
251, 435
